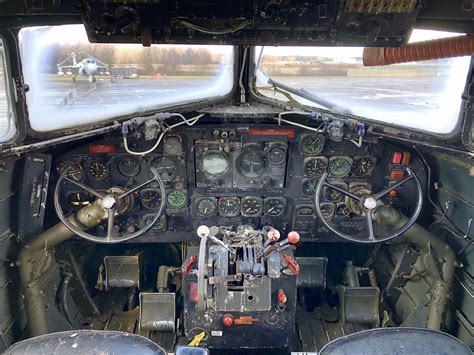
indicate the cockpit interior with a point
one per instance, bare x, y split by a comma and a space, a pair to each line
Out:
226, 179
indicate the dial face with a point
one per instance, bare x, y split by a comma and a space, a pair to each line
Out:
252, 163
309, 186
312, 144
251, 206
277, 156
176, 199
304, 211
75, 170
160, 224
328, 209
207, 206
129, 167
78, 199
214, 163
363, 166
98, 170
342, 210
167, 168
150, 199
274, 207
333, 195
229, 206
315, 167
173, 145
340, 166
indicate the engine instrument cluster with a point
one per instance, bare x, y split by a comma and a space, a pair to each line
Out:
241, 174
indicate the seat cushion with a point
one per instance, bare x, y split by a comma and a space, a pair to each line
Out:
396, 341
86, 342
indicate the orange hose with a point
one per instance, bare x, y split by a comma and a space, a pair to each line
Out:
427, 50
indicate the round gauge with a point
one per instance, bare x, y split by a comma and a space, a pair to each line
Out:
173, 145
363, 166
309, 186
277, 156
251, 206
167, 168
328, 209
229, 206
274, 207
342, 210
251, 163
207, 206
78, 199
176, 199
333, 195
312, 144
339, 166
214, 163
150, 199
129, 167
76, 172
98, 170
160, 224
304, 211
315, 167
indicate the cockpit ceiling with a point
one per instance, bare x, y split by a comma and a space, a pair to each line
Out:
245, 22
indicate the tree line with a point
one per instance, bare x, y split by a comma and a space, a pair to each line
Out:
146, 59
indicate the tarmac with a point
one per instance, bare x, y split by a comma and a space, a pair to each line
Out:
417, 94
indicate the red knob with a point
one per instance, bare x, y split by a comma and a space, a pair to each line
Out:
273, 235
281, 297
228, 320
293, 237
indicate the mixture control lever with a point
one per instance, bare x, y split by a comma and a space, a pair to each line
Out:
292, 238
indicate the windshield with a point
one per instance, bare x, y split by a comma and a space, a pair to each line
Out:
422, 95
74, 82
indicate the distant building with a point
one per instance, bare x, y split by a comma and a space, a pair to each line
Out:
124, 72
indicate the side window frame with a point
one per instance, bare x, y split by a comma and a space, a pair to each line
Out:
10, 133
15, 87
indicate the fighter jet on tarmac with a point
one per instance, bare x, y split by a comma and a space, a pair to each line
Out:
89, 67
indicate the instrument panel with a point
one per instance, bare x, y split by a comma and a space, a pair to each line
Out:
240, 174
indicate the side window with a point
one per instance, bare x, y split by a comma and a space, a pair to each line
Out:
7, 123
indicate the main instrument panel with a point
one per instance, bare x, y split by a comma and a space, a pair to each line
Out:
241, 174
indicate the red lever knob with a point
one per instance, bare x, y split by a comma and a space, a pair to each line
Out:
293, 237
228, 320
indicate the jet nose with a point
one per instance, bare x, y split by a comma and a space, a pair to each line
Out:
91, 68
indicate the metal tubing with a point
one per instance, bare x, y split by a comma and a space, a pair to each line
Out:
427, 242
35, 258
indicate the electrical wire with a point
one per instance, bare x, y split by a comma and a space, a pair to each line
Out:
212, 31
189, 122
280, 120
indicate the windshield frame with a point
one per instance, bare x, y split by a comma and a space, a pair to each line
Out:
10, 56
27, 130
463, 123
